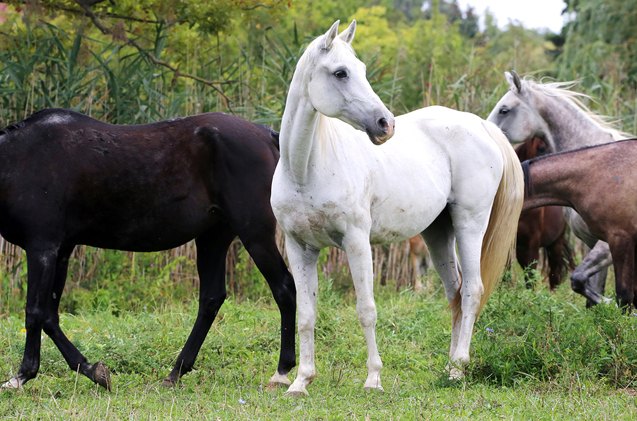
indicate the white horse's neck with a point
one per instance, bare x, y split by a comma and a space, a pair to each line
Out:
297, 137
571, 127
303, 129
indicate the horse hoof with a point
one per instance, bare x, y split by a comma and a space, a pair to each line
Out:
277, 381
372, 389
13, 383
456, 374
168, 382
297, 393
101, 375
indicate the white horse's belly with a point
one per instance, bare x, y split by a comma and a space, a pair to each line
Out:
393, 222
321, 220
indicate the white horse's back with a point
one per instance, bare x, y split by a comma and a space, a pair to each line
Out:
436, 156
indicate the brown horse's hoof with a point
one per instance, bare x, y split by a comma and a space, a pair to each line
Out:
101, 375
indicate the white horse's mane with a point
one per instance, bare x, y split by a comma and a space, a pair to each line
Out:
563, 91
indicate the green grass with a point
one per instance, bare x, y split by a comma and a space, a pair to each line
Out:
535, 355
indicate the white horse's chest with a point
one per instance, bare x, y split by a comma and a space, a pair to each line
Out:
320, 212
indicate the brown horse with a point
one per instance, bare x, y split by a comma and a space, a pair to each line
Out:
67, 179
543, 227
600, 183
420, 261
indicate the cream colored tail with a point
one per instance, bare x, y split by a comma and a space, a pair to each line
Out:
498, 244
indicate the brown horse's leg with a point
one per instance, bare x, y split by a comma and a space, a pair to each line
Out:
623, 251
560, 259
212, 248
527, 253
261, 246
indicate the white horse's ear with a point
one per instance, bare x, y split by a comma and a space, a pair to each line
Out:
330, 35
514, 80
348, 34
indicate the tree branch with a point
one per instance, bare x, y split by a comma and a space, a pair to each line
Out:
155, 60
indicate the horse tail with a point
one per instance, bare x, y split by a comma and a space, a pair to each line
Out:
498, 244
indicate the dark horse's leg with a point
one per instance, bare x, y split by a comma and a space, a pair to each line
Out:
47, 271
262, 248
212, 248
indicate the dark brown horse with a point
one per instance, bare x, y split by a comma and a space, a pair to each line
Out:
600, 183
543, 227
67, 179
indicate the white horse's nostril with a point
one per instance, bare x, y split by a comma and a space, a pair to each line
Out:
383, 124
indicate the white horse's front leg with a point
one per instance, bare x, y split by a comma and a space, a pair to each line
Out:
303, 260
359, 256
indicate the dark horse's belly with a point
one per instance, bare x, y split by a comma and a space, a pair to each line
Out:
148, 237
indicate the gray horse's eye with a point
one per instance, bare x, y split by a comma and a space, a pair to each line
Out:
340, 74
503, 110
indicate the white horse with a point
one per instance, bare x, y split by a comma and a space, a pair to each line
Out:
551, 111
446, 174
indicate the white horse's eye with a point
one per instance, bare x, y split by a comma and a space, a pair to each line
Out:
340, 74
504, 110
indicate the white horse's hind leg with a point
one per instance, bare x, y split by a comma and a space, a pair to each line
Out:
442, 247
469, 228
303, 262
359, 256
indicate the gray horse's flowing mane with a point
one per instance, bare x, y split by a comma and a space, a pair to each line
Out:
563, 91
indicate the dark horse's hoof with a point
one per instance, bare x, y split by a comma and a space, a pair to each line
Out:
168, 382
101, 375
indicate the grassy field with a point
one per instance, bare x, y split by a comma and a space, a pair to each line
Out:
535, 355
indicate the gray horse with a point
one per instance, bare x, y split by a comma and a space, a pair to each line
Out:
556, 114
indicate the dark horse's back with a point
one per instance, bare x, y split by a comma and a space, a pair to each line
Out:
65, 177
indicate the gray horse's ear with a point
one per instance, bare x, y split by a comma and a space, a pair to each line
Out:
348, 34
330, 35
514, 80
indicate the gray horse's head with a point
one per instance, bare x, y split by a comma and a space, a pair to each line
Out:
517, 114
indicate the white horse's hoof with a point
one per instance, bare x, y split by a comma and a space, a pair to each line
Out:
13, 383
456, 373
378, 388
297, 393
278, 380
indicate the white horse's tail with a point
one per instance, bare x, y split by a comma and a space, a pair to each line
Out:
498, 244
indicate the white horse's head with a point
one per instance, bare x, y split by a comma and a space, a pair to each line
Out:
337, 86
516, 114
